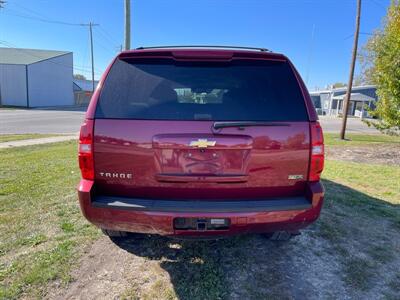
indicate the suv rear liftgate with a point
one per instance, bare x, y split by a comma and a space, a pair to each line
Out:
182, 141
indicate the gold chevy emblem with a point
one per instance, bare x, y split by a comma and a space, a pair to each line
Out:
202, 143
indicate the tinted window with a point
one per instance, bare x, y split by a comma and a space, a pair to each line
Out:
241, 91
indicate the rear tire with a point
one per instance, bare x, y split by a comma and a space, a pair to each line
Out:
278, 235
114, 233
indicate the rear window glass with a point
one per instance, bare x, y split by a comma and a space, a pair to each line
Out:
235, 91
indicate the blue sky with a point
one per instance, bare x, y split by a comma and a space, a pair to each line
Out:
284, 26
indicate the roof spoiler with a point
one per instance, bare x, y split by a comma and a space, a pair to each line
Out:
198, 52
206, 47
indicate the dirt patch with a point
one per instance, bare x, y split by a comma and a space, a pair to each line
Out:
105, 271
250, 267
387, 154
348, 254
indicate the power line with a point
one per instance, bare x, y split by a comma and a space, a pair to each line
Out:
29, 10
39, 17
110, 37
44, 19
107, 48
361, 33
85, 52
62, 23
18, 14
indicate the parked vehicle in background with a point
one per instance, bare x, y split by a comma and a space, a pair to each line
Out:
195, 141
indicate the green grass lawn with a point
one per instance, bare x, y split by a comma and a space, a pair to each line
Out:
17, 137
354, 139
41, 228
378, 181
43, 234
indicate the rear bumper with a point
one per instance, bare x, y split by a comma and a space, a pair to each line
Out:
157, 216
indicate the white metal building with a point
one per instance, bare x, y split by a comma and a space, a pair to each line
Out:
36, 78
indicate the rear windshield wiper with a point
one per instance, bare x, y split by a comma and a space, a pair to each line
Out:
242, 124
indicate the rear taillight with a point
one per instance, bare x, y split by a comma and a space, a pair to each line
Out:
85, 150
317, 152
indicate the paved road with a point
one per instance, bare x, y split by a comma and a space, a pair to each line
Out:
354, 125
40, 121
69, 121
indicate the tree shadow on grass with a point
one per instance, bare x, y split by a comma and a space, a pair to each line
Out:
338, 195
252, 267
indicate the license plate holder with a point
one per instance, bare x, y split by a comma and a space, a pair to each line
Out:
201, 224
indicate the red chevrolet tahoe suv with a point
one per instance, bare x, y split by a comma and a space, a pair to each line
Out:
201, 142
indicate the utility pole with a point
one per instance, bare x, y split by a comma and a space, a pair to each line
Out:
91, 49
91, 52
127, 24
352, 65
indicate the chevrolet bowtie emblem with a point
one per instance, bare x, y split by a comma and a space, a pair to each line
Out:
202, 143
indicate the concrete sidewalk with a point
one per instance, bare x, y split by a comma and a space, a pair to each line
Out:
39, 141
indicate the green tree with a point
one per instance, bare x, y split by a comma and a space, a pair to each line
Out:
79, 76
338, 85
381, 61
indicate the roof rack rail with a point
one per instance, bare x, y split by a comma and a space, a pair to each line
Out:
206, 46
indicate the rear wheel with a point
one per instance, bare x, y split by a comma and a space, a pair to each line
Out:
279, 235
114, 233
